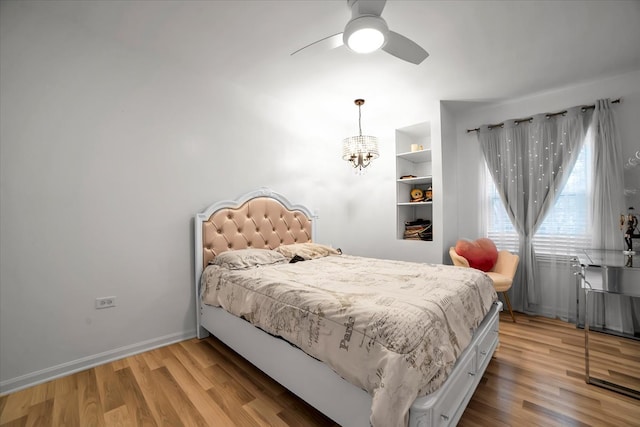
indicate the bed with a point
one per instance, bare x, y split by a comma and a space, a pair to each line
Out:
386, 365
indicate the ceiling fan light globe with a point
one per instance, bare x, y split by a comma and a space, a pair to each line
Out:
365, 34
365, 40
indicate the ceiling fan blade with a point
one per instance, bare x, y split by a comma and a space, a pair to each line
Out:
327, 43
403, 48
366, 7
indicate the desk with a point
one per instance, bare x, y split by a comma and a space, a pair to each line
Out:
609, 272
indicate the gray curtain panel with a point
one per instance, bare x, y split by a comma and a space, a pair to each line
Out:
530, 163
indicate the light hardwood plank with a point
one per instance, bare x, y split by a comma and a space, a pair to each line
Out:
194, 369
43, 392
41, 414
160, 407
265, 414
89, 403
184, 408
119, 417
207, 407
108, 387
66, 408
233, 406
136, 403
15, 406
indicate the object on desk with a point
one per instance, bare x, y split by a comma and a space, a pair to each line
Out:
629, 223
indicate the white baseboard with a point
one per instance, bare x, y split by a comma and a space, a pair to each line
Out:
48, 374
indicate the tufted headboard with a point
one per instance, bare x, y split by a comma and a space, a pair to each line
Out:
262, 222
259, 219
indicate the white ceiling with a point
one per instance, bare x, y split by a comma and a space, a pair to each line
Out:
479, 50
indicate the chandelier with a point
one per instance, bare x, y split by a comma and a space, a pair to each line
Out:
360, 150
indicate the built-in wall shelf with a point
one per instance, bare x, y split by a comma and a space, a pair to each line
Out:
419, 156
415, 203
413, 158
417, 180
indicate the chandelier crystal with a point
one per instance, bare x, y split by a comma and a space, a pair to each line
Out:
360, 150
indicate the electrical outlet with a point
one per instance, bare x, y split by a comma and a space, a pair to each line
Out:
105, 302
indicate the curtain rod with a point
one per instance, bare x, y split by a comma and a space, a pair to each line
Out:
549, 115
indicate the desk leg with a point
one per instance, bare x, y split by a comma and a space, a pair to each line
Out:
587, 375
586, 336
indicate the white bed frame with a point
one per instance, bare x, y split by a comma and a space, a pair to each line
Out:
314, 381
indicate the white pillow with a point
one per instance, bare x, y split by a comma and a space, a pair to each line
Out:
248, 258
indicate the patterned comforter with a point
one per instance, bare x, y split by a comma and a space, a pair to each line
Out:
393, 328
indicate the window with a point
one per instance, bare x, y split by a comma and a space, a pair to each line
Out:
565, 229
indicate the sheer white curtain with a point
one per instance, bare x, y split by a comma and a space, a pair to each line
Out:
611, 311
530, 163
608, 182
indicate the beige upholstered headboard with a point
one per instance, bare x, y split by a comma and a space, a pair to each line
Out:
259, 219
262, 222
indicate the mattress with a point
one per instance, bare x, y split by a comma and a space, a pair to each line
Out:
392, 328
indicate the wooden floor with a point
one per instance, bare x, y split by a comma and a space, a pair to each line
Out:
535, 378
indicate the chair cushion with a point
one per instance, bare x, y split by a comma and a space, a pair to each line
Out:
482, 253
500, 282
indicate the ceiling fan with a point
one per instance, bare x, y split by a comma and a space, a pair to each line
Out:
367, 31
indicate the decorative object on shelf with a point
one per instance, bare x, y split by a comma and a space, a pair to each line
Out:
417, 195
408, 176
414, 148
420, 229
360, 150
428, 195
631, 222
